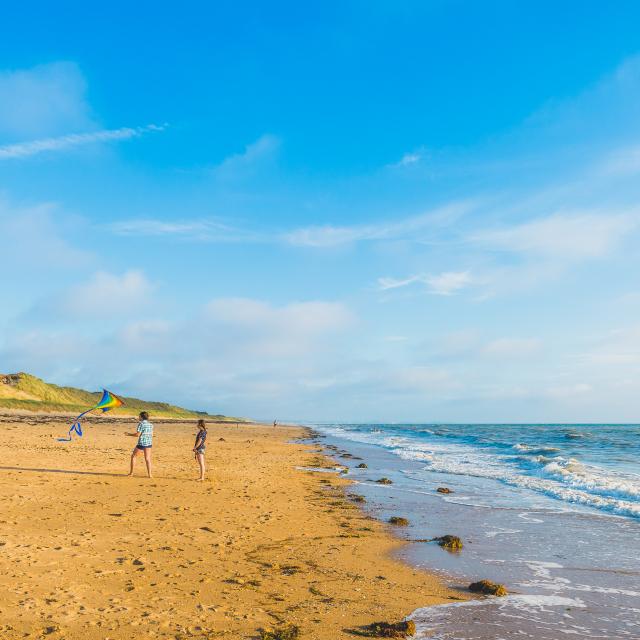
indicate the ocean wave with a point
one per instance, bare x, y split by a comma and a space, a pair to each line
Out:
594, 480
560, 477
566, 484
534, 450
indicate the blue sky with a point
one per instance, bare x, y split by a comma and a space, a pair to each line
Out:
360, 211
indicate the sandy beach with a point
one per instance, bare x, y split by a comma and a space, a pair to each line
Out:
87, 552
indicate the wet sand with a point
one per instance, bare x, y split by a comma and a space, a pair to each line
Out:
86, 552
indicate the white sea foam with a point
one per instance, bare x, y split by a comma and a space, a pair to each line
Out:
533, 450
438, 622
593, 596
500, 532
565, 479
519, 601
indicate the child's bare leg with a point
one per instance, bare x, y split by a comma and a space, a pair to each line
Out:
147, 459
133, 457
200, 457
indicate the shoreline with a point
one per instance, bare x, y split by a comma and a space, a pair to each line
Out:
555, 558
89, 553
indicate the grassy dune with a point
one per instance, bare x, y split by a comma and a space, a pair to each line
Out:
26, 392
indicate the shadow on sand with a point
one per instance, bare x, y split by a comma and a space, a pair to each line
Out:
70, 471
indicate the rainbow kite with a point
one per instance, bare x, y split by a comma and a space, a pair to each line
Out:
107, 402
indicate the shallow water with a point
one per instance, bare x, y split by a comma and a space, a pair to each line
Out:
552, 511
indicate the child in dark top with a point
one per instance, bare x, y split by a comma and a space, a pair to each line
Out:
200, 447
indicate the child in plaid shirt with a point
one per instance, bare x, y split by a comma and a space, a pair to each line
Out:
144, 433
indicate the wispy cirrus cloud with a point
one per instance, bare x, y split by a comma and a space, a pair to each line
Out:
449, 282
524, 255
34, 147
327, 236
202, 230
579, 235
446, 283
318, 237
409, 158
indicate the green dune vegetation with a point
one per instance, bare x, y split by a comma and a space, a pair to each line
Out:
29, 393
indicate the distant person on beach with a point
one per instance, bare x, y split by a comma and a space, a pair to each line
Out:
275, 424
200, 447
144, 433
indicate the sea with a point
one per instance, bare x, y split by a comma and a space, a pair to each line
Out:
552, 511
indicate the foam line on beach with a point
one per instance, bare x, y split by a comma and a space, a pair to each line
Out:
441, 622
535, 468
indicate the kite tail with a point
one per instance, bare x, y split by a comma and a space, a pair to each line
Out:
76, 428
107, 402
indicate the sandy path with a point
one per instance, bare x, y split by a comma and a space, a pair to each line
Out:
88, 553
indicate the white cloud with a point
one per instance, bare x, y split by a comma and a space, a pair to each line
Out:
263, 329
34, 147
145, 336
104, 294
255, 155
512, 347
46, 100
151, 227
205, 230
618, 348
328, 236
387, 283
449, 282
443, 284
565, 236
34, 238
457, 344
621, 162
410, 158
569, 391
234, 354
420, 379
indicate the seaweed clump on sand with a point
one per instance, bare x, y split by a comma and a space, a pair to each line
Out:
288, 632
453, 543
362, 465
403, 629
488, 588
384, 481
356, 497
398, 521
289, 569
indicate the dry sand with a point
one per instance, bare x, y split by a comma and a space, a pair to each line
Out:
88, 553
